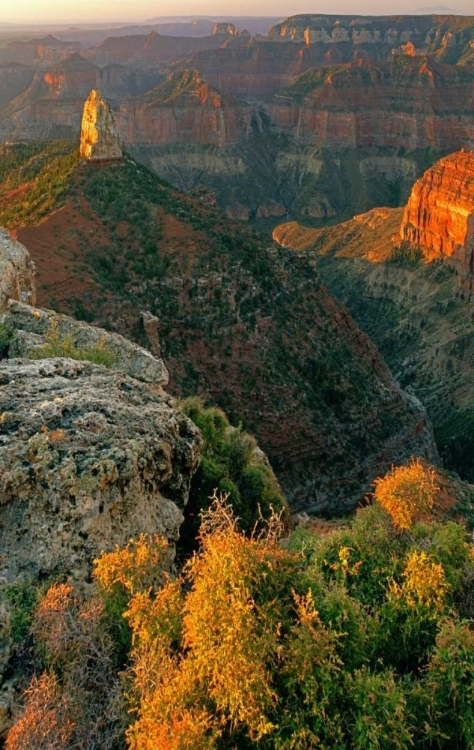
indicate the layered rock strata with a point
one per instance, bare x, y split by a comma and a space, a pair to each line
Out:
444, 36
184, 109
439, 217
405, 103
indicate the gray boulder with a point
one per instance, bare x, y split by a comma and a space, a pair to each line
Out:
89, 458
128, 357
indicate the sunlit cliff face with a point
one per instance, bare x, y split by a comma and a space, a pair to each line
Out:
439, 216
99, 137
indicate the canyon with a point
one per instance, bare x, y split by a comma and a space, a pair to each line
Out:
147, 325
238, 321
406, 276
322, 118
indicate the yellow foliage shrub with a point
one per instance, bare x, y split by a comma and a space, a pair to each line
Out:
407, 492
202, 661
424, 582
135, 566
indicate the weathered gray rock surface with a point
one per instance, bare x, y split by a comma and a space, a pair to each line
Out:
128, 357
17, 272
88, 459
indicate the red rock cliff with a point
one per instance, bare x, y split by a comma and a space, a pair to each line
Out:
184, 109
439, 217
409, 102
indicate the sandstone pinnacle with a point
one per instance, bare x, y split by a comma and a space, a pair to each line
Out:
100, 140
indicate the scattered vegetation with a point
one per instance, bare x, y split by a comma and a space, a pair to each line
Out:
57, 346
360, 638
407, 255
6, 335
232, 463
33, 179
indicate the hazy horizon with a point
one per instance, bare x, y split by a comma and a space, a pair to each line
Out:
57, 11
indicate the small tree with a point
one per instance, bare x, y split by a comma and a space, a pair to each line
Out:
407, 492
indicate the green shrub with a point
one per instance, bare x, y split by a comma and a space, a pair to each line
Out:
232, 464
449, 687
6, 336
56, 346
23, 597
377, 712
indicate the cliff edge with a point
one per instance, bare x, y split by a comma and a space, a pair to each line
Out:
439, 217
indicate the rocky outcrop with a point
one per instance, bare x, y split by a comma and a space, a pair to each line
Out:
439, 217
227, 29
17, 272
88, 459
100, 141
33, 328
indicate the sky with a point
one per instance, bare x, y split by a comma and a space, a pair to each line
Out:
59, 11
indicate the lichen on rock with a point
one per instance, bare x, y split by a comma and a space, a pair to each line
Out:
88, 459
31, 328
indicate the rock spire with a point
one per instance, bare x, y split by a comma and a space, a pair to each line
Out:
100, 141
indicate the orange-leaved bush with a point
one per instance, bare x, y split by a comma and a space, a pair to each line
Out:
134, 567
202, 660
407, 492
44, 723
77, 702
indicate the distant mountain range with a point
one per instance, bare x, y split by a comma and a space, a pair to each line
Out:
436, 10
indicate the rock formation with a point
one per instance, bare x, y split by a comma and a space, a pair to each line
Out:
402, 103
88, 458
227, 29
17, 272
100, 141
439, 217
448, 36
260, 113
33, 327
184, 109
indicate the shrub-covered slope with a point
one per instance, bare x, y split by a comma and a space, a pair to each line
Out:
359, 638
240, 321
418, 313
